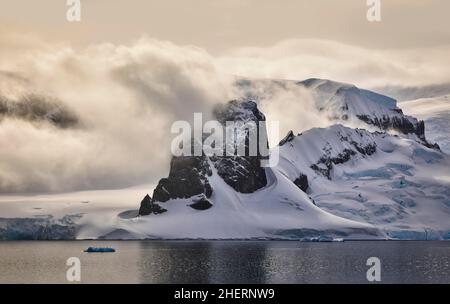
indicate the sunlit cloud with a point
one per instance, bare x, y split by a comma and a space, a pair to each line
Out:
125, 98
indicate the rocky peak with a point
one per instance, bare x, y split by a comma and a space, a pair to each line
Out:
148, 206
238, 110
243, 173
342, 102
288, 138
188, 175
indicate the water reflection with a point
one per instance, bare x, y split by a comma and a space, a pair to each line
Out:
175, 262
202, 262
226, 262
291, 262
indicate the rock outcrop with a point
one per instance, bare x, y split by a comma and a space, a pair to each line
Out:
188, 175
302, 182
148, 206
243, 173
38, 108
325, 164
201, 203
288, 138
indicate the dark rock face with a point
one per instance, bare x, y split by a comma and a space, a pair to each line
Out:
243, 173
201, 203
325, 164
401, 124
313, 201
150, 207
37, 108
288, 138
178, 165
302, 182
187, 177
238, 110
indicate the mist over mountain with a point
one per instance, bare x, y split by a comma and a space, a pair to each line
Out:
73, 120
88, 118
331, 182
352, 165
402, 93
436, 114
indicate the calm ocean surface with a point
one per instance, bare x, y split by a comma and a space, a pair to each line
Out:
225, 262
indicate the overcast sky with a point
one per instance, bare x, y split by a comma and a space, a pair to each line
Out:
217, 25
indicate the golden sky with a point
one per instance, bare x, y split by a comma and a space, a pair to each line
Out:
218, 25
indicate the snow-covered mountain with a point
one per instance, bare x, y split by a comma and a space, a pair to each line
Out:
402, 93
436, 114
343, 103
397, 184
384, 179
234, 197
334, 182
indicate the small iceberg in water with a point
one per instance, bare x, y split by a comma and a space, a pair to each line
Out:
100, 249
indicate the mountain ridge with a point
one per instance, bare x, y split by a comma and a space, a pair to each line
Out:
373, 174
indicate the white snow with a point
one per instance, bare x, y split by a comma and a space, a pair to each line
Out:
266, 213
403, 186
337, 101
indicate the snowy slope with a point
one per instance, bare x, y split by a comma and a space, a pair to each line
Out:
341, 103
436, 114
279, 210
400, 186
289, 213
394, 183
234, 197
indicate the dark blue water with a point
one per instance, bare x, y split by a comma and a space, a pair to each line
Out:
225, 262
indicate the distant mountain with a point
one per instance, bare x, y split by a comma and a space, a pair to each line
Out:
343, 103
402, 93
436, 114
38, 109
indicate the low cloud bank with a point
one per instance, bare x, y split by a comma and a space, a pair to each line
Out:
125, 99
122, 101
300, 59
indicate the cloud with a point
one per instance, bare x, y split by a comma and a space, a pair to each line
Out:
293, 106
125, 98
306, 58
